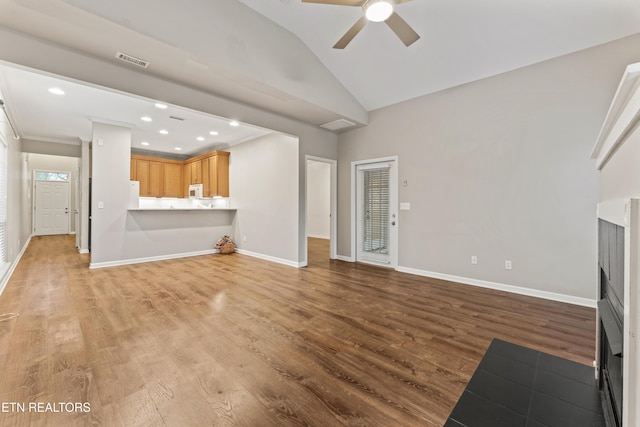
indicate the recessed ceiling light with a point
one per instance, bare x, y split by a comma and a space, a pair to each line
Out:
200, 138
234, 123
177, 148
144, 143
164, 131
56, 91
213, 132
146, 119
161, 106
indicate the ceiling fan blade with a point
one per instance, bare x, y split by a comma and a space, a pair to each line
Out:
338, 2
402, 29
351, 33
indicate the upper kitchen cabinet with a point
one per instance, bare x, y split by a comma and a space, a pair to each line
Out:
157, 177
193, 172
218, 174
172, 180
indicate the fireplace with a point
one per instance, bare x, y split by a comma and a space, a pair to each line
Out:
611, 258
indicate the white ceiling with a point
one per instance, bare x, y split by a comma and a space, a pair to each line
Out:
40, 115
461, 40
231, 49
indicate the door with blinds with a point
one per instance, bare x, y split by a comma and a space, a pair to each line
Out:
375, 215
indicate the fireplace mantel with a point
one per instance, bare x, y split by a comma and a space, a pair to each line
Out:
616, 154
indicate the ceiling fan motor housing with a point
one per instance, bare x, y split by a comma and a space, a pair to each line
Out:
378, 10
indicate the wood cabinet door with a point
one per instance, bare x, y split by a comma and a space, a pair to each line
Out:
172, 180
155, 179
219, 175
186, 180
206, 182
223, 175
132, 170
196, 172
142, 175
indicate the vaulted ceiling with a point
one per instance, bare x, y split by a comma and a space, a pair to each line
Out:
277, 54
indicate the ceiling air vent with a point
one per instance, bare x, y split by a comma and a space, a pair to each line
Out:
337, 124
132, 60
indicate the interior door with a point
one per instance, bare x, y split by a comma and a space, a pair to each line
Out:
51, 208
375, 213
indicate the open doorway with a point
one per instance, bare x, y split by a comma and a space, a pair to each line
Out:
55, 193
321, 209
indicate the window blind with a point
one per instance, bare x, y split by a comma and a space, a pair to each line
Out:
375, 221
3, 201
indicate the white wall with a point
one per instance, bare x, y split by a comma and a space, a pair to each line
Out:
500, 169
318, 199
263, 177
46, 162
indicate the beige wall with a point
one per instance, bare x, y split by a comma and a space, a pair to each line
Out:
500, 169
263, 183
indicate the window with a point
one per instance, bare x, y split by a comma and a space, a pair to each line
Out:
375, 221
52, 176
3, 203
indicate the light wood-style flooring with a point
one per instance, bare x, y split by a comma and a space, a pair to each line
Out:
230, 340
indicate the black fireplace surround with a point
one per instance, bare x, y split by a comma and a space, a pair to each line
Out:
611, 318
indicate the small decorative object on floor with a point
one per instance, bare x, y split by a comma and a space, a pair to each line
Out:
226, 245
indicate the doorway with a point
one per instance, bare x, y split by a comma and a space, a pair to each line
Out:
321, 204
374, 211
51, 204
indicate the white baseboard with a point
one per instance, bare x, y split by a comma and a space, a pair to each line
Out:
345, 258
585, 302
271, 258
9, 271
150, 259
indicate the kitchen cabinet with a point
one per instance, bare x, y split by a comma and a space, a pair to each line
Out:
171, 178
141, 173
218, 175
157, 177
192, 172
196, 172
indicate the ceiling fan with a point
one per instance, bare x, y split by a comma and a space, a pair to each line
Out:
375, 11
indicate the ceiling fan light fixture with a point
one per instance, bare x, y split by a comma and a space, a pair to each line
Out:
378, 10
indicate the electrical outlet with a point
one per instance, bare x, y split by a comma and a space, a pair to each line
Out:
244, 238
507, 265
474, 259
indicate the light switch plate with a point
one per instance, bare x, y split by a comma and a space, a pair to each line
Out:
405, 206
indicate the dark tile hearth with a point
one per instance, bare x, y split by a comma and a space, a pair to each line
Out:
515, 386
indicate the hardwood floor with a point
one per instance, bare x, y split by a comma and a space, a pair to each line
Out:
230, 340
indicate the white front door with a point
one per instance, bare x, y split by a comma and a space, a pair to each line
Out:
376, 216
51, 208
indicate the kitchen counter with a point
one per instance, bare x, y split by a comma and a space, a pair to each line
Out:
181, 209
